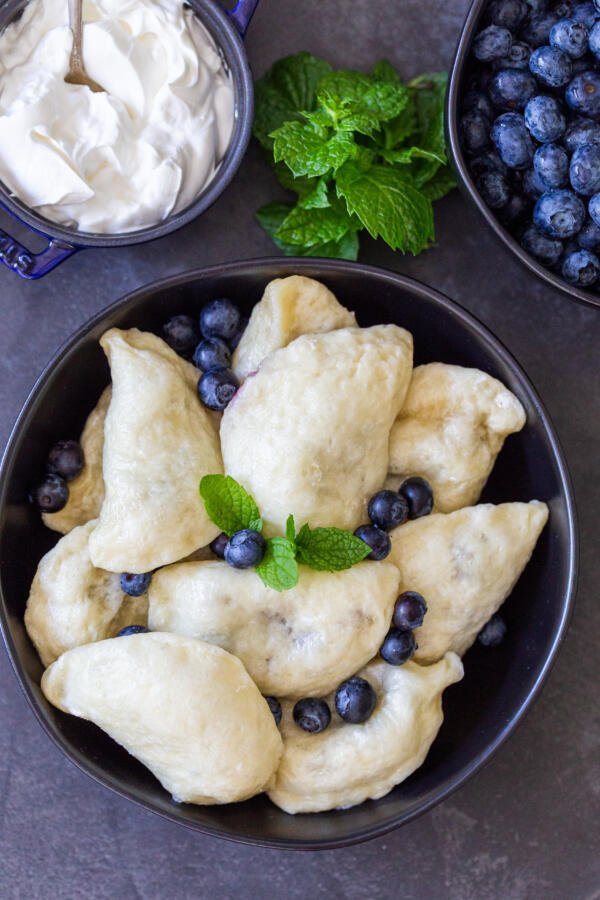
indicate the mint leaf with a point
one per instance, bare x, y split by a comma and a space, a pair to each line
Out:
317, 198
441, 184
348, 93
308, 227
278, 568
272, 216
301, 185
229, 505
383, 70
329, 549
306, 152
429, 94
388, 205
408, 154
290, 529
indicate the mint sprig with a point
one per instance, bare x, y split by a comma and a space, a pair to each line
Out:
228, 505
278, 568
329, 549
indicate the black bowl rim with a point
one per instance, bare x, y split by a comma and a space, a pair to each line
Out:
460, 165
281, 266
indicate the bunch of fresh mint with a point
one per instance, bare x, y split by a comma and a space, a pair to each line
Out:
232, 509
360, 151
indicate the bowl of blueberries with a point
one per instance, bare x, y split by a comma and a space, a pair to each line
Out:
523, 122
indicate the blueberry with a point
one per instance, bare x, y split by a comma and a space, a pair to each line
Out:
544, 118
559, 214
135, 585
493, 633
584, 170
275, 707
512, 88
475, 131
312, 714
398, 646
582, 267
181, 334
409, 611
585, 63
583, 93
377, 539
218, 545
594, 40
518, 58
492, 43
237, 336
581, 131
551, 66
494, 189
419, 496
547, 250
533, 187
586, 13
535, 7
132, 629
569, 36
66, 459
589, 236
512, 140
508, 13
594, 208
563, 9
536, 31
517, 211
355, 700
212, 353
476, 101
216, 388
487, 162
50, 495
219, 318
387, 509
245, 549
551, 164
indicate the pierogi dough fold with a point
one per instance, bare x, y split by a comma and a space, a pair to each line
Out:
450, 430
159, 441
299, 642
187, 710
289, 307
309, 433
86, 491
346, 764
465, 564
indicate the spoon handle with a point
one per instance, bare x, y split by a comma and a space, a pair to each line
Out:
75, 19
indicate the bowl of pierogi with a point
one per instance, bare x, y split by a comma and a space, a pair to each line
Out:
288, 549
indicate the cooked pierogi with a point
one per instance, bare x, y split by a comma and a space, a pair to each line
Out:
309, 433
298, 642
346, 764
159, 442
187, 710
450, 430
465, 564
289, 307
71, 602
86, 491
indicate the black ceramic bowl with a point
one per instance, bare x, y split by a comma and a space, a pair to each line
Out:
456, 90
499, 684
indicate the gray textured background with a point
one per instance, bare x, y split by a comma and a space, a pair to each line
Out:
524, 827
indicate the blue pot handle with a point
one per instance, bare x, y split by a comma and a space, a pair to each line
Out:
33, 265
241, 14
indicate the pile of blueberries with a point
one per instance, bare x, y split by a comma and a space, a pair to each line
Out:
530, 126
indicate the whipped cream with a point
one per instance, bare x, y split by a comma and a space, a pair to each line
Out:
128, 158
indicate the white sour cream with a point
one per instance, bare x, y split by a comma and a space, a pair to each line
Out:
128, 158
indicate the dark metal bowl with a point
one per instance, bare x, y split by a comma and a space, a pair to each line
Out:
456, 89
499, 684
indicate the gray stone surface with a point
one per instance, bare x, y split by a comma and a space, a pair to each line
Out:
527, 825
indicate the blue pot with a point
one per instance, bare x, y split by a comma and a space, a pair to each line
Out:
227, 30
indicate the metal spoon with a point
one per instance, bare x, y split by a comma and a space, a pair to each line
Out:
77, 73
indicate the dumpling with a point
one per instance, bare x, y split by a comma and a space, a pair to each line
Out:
86, 491
346, 764
159, 442
450, 430
304, 640
71, 602
187, 710
465, 564
289, 307
309, 433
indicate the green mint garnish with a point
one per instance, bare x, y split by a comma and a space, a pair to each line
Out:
329, 549
278, 568
228, 505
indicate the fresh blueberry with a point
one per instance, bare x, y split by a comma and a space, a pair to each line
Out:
594, 208
476, 101
544, 118
216, 388
212, 353
387, 509
533, 187
512, 140
132, 629
487, 162
551, 164
512, 88
569, 36
135, 585
398, 646
508, 13
218, 545
493, 632
586, 13
409, 611
518, 58
563, 9
547, 250
581, 131
559, 214
50, 495
275, 707
237, 336
584, 170
581, 267
536, 31
219, 318
66, 459
589, 236
594, 40
583, 93
419, 496
377, 539
245, 549
312, 714
585, 63
517, 211
181, 334
494, 189
355, 700
551, 66
535, 7
475, 131
492, 43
